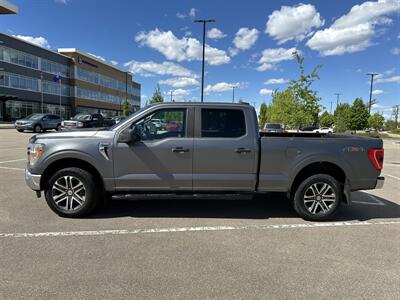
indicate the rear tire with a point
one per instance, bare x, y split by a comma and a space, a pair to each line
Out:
318, 197
37, 129
71, 193
58, 128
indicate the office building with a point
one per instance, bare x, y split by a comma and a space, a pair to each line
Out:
35, 79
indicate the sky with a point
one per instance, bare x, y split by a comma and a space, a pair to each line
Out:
249, 45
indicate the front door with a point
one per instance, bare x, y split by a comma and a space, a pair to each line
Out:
162, 159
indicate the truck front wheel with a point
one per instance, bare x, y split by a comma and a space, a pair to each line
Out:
318, 197
71, 192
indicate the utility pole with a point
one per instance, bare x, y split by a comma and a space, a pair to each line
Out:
396, 114
233, 93
370, 91
171, 95
337, 98
204, 48
331, 102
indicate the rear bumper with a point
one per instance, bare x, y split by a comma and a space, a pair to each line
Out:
32, 180
380, 182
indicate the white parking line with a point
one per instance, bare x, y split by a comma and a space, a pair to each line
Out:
7, 168
193, 229
13, 148
14, 160
391, 176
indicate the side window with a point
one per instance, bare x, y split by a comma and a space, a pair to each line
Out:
162, 124
225, 123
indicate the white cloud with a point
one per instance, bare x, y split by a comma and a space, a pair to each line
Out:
180, 81
39, 41
276, 81
377, 92
353, 31
293, 22
215, 34
222, 87
184, 49
178, 92
395, 51
270, 57
191, 13
244, 39
114, 62
97, 56
62, 1
151, 68
393, 79
266, 92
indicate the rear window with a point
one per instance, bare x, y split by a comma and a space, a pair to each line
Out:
225, 123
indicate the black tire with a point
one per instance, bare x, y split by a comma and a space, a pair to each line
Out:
89, 185
324, 208
58, 128
20, 130
37, 129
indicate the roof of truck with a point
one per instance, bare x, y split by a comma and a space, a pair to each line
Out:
241, 104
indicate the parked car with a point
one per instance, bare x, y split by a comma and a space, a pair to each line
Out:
87, 121
118, 119
273, 127
38, 123
220, 151
323, 130
173, 126
309, 128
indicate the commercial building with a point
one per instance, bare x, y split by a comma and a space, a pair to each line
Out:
7, 8
35, 79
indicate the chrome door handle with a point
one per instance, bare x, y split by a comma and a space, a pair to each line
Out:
180, 150
242, 150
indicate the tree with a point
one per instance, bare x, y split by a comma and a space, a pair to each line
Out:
126, 110
262, 115
341, 117
157, 95
326, 120
376, 120
358, 115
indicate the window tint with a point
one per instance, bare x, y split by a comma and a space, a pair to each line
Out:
162, 124
226, 123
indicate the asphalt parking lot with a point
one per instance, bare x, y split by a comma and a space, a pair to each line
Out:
180, 248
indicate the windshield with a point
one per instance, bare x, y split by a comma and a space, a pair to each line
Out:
272, 126
127, 118
35, 117
81, 117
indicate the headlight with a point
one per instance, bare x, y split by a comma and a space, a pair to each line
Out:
79, 124
35, 152
28, 123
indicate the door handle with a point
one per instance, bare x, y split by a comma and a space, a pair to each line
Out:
242, 150
180, 150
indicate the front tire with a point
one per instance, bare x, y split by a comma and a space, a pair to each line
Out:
58, 128
37, 129
318, 197
71, 192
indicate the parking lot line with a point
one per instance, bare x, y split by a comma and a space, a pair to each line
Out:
14, 160
193, 229
8, 168
391, 176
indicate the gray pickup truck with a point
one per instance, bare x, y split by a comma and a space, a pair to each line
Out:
208, 148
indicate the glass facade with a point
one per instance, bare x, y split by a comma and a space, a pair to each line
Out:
104, 112
19, 82
54, 68
50, 87
97, 95
21, 109
20, 58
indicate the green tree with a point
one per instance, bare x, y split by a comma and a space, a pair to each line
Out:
263, 115
390, 125
376, 120
341, 117
157, 95
125, 109
358, 115
326, 119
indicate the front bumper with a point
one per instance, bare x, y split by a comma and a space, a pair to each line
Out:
32, 180
379, 182
23, 126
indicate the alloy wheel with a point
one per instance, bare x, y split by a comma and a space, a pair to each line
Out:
319, 198
68, 193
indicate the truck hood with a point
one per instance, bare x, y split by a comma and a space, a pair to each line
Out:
84, 133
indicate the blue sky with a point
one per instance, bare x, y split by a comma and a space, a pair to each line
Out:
250, 46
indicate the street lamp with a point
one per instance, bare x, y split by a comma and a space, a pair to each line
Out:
370, 91
204, 47
233, 93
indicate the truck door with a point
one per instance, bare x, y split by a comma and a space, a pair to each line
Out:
162, 159
225, 150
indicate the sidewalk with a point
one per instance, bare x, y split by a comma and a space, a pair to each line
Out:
6, 125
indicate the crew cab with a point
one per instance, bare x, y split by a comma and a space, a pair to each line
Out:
215, 148
87, 121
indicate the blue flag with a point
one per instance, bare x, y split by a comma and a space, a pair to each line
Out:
56, 78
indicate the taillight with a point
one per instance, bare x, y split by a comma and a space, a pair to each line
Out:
376, 158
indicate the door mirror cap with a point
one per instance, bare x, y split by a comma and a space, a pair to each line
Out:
129, 136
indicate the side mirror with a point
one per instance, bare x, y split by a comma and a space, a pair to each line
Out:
129, 136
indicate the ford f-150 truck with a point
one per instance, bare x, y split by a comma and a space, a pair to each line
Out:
214, 148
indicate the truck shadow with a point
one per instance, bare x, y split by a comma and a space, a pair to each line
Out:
273, 205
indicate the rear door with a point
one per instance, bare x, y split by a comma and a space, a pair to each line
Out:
225, 150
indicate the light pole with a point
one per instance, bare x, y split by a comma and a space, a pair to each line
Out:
370, 91
171, 95
233, 93
204, 48
41, 87
337, 98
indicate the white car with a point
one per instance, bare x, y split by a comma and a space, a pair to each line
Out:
323, 130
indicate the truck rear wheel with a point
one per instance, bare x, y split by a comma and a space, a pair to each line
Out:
71, 192
318, 197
